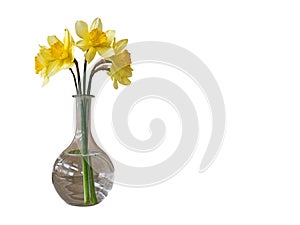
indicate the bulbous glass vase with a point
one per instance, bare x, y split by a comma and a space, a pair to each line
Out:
83, 173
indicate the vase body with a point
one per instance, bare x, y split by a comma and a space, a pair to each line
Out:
83, 173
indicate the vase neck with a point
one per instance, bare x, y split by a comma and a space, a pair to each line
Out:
84, 137
83, 113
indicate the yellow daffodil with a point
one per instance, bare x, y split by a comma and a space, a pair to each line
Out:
41, 62
59, 56
93, 40
120, 69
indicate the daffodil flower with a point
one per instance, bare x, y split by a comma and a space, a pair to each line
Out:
93, 40
120, 69
41, 63
59, 56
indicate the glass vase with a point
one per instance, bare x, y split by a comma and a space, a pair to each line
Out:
83, 173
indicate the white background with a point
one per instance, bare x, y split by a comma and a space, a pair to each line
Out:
253, 50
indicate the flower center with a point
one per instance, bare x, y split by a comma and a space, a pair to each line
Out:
57, 51
122, 59
97, 37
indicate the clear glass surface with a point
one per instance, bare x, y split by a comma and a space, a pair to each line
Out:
83, 173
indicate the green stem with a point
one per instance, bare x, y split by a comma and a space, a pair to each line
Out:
90, 84
84, 76
74, 80
84, 152
94, 71
88, 178
78, 75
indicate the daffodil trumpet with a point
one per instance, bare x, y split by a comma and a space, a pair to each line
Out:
115, 60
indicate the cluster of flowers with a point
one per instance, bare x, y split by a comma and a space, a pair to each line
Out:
115, 59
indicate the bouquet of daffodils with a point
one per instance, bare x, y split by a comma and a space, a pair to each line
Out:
115, 59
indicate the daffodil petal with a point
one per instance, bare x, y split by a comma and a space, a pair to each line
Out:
38, 65
52, 40
46, 81
81, 28
45, 53
103, 50
110, 34
67, 64
53, 68
109, 52
97, 24
68, 40
83, 45
120, 45
90, 55
125, 81
127, 71
115, 83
